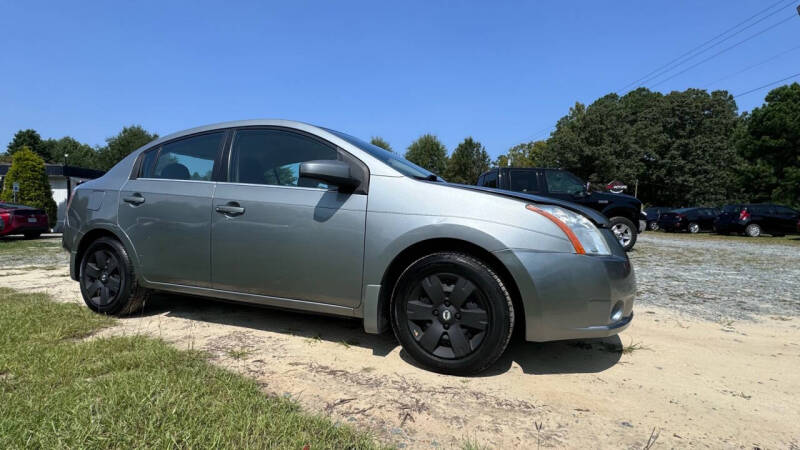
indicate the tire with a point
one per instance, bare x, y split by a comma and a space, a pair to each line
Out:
32, 235
694, 228
427, 314
108, 282
753, 230
625, 232
653, 226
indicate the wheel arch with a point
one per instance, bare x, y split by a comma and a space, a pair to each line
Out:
419, 249
617, 211
93, 235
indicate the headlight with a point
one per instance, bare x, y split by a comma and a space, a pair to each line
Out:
585, 237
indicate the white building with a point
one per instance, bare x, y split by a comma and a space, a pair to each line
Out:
62, 180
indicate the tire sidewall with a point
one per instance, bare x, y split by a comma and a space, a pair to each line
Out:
123, 297
499, 311
634, 231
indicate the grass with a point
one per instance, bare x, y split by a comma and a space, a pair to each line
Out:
16, 244
59, 390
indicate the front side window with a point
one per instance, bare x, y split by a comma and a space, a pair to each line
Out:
189, 159
524, 181
274, 156
559, 182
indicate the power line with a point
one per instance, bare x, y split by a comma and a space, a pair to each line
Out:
723, 51
752, 66
637, 81
767, 85
711, 46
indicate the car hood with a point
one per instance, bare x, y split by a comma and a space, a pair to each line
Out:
596, 218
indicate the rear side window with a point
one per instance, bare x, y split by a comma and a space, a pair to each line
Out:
524, 181
148, 163
491, 179
274, 156
189, 159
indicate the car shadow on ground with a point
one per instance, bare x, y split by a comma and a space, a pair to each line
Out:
580, 356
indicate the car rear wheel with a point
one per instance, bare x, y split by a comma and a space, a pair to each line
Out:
694, 227
624, 231
108, 282
753, 230
653, 226
452, 313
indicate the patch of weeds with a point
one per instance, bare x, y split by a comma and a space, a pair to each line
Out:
473, 444
368, 369
624, 349
314, 339
241, 353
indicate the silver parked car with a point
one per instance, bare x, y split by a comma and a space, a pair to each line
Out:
291, 215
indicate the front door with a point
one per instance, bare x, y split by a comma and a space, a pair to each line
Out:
279, 235
166, 210
566, 186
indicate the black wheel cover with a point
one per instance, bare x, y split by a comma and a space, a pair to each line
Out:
102, 277
447, 315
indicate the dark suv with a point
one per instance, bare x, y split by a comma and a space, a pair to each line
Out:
623, 211
693, 220
754, 219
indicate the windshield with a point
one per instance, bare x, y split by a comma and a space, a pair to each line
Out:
394, 161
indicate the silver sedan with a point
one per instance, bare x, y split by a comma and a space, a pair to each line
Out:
290, 215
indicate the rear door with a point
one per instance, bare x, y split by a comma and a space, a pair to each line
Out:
166, 209
279, 235
525, 180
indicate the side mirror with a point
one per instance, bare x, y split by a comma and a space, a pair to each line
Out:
332, 172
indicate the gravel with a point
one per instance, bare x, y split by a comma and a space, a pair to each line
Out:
717, 277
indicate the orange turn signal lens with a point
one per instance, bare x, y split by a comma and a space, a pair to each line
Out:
570, 235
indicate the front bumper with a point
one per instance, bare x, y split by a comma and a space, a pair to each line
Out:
570, 296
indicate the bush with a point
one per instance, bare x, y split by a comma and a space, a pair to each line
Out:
27, 169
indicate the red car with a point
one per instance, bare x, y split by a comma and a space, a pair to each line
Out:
19, 219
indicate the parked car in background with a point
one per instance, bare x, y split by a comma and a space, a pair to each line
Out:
623, 211
652, 215
756, 219
291, 215
693, 220
20, 219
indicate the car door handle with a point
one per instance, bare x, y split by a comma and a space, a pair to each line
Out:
231, 209
135, 199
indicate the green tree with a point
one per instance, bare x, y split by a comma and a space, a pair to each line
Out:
27, 138
527, 154
676, 146
467, 162
381, 142
428, 152
769, 142
80, 154
121, 145
27, 169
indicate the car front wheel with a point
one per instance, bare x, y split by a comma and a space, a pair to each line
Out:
694, 228
624, 231
452, 313
108, 282
653, 226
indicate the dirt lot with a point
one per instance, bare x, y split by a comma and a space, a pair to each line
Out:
712, 358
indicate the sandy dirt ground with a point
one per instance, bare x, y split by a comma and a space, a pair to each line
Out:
692, 381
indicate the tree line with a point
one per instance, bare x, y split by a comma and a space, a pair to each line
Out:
678, 149
80, 155
684, 148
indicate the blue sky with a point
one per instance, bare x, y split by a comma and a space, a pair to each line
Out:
502, 72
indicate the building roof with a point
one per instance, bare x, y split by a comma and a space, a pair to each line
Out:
61, 170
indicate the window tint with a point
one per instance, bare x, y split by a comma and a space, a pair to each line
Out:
146, 169
189, 159
761, 209
274, 156
559, 182
524, 181
491, 179
785, 210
